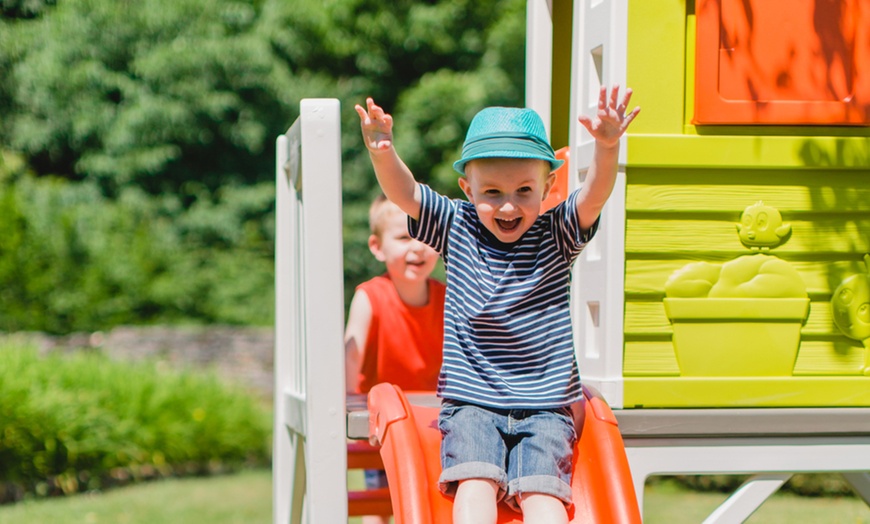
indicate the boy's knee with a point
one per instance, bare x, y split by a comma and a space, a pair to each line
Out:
476, 502
543, 508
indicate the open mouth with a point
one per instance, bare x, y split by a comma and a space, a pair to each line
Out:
508, 225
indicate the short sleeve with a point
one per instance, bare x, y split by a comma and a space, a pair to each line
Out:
436, 215
570, 237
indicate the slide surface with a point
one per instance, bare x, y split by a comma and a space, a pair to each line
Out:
410, 448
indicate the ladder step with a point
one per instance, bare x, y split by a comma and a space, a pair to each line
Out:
369, 502
362, 455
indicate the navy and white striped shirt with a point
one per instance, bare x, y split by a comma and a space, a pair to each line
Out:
507, 321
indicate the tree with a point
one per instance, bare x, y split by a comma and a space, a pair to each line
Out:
175, 96
74, 260
173, 106
432, 64
24, 8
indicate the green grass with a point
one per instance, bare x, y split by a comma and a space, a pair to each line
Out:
246, 498
242, 498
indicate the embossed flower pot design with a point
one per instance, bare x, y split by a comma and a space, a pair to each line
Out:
742, 318
722, 337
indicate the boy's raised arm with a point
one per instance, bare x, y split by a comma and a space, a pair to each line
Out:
394, 177
608, 125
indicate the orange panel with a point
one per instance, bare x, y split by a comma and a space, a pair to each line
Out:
782, 62
559, 191
601, 485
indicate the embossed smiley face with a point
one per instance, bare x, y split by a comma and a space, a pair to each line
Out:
761, 226
851, 307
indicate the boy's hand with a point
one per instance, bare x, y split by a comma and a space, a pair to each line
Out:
377, 126
610, 121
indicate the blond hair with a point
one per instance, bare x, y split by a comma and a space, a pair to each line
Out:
380, 210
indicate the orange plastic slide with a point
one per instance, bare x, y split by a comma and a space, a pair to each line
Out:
410, 448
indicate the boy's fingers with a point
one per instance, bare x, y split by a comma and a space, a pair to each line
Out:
631, 116
614, 95
625, 101
628, 119
374, 108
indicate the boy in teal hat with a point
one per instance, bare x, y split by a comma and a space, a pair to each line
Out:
509, 372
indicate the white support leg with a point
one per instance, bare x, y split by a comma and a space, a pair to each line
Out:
747, 499
774, 459
639, 480
310, 451
860, 482
297, 492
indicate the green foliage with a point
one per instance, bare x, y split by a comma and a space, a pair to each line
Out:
157, 93
24, 8
433, 65
83, 422
73, 260
812, 485
167, 111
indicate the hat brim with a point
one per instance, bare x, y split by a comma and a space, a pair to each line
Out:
459, 165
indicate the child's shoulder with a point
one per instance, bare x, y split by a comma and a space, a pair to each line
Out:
376, 284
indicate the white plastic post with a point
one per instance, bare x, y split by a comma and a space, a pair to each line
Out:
599, 58
310, 451
747, 498
860, 482
539, 58
282, 450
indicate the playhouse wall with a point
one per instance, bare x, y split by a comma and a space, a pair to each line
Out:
686, 186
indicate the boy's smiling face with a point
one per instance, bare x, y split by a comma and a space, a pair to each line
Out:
507, 193
406, 259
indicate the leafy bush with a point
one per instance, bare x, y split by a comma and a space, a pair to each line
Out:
74, 260
810, 485
84, 422
180, 101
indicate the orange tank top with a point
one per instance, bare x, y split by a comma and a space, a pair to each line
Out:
404, 342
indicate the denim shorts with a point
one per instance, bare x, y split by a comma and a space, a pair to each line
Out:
522, 450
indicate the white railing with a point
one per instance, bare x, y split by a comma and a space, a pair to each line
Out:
309, 466
597, 292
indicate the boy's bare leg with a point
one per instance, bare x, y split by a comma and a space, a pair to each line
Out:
475, 502
546, 509
375, 520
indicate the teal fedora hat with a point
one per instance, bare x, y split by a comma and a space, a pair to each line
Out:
506, 132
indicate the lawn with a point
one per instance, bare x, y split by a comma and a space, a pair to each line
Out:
243, 498
246, 498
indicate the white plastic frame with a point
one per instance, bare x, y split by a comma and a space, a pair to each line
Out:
599, 58
310, 452
771, 461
